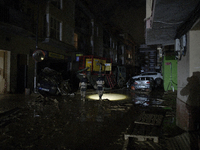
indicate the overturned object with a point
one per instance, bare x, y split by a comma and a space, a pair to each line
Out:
50, 82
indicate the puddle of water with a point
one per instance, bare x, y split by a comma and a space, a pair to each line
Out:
146, 99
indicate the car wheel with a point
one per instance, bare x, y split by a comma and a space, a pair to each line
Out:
158, 82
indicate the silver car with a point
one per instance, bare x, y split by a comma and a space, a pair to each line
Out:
142, 83
158, 78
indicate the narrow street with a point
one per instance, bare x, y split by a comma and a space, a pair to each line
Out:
66, 122
56, 55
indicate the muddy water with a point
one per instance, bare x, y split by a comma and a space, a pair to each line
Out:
67, 122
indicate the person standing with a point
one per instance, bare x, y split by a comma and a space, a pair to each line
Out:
83, 87
100, 85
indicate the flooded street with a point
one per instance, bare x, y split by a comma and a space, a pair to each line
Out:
67, 122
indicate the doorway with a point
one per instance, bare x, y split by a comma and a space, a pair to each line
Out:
22, 70
4, 71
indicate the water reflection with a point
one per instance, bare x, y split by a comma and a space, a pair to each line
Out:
145, 99
71, 107
109, 96
90, 110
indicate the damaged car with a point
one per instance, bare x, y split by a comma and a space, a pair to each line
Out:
157, 77
142, 83
50, 82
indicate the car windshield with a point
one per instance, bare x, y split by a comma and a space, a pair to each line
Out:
144, 78
144, 74
149, 78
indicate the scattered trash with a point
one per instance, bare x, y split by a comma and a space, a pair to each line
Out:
71, 94
35, 114
50, 82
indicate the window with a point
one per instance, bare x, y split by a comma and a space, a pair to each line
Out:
76, 40
45, 26
57, 3
55, 29
129, 55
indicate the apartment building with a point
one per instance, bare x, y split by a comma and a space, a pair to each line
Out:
62, 29
27, 26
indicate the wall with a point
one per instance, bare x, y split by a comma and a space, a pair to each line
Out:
195, 46
188, 98
4, 71
98, 40
2, 78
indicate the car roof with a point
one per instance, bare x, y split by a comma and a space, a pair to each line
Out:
149, 72
144, 78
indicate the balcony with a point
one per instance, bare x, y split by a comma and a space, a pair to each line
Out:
59, 44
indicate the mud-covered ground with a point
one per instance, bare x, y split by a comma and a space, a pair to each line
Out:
67, 122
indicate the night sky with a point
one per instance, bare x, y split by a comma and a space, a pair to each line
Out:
127, 15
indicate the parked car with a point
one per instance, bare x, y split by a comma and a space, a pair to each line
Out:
142, 83
158, 78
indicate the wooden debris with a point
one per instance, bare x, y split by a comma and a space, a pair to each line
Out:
146, 127
144, 132
142, 137
149, 119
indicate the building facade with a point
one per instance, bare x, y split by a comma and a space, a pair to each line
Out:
62, 29
148, 58
27, 26
181, 31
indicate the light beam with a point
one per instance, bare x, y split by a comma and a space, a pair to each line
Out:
108, 96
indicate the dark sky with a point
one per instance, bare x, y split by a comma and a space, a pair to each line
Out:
125, 14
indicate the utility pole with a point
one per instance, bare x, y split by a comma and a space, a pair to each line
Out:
36, 47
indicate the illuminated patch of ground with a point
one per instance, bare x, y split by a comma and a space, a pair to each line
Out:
108, 96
